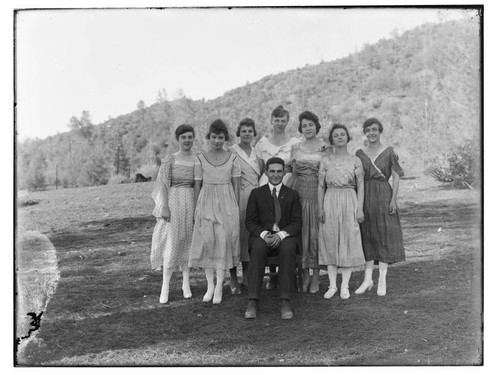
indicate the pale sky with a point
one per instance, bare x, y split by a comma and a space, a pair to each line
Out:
105, 61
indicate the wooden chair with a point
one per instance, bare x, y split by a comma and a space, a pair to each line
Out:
273, 261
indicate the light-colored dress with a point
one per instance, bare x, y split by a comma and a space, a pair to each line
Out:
216, 240
249, 180
340, 237
305, 166
381, 233
172, 240
266, 150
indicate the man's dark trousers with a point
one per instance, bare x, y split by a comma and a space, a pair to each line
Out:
259, 252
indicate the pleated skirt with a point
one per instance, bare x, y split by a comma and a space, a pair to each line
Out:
339, 237
307, 187
216, 240
381, 233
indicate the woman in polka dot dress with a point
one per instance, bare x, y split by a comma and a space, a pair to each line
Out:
174, 212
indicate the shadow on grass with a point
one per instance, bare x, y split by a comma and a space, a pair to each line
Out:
107, 299
442, 213
431, 315
105, 232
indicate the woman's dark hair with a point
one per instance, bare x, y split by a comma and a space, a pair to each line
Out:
246, 122
275, 160
311, 117
338, 126
181, 129
279, 111
371, 121
218, 127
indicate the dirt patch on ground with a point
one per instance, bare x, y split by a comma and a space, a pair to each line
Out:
106, 312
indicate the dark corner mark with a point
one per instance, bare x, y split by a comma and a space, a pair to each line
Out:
35, 322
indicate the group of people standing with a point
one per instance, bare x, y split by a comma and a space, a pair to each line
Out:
281, 197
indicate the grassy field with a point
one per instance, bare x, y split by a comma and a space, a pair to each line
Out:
105, 310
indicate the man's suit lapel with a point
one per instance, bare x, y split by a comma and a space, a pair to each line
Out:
283, 194
267, 195
282, 198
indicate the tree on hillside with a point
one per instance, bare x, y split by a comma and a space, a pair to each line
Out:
95, 170
117, 151
162, 96
82, 125
141, 105
179, 94
34, 178
423, 84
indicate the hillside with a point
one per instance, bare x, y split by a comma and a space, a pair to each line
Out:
424, 85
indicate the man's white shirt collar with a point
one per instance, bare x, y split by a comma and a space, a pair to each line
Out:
278, 187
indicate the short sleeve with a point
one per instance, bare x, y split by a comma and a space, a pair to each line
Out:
164, 174
395, 163
198, 170
322, 173
358, 169
163, 179
236, 169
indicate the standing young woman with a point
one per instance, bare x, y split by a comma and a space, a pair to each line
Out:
216, 242
174, 211
250, 172
279, 144
340, 212
381, 231
305, 160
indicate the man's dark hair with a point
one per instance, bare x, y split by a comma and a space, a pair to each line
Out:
275, 160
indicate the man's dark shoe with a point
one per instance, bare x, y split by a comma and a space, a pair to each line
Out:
286, 310
251, 312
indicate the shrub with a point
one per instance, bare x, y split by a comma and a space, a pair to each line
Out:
24, 199
118, 179
460, 166
95, 171
149, 170
34, 177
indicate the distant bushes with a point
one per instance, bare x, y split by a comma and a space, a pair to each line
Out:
424, 85
34, 176
149, 170
25, 200
118, 179
460, 166
95, 171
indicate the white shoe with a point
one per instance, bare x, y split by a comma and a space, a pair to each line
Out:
164, 295
344, 293
217, 297
208, 295
330, 292
186, 292
364, 287
381, 288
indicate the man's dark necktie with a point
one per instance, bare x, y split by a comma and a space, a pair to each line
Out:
277, 207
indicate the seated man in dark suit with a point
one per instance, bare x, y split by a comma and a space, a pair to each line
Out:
274, 221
